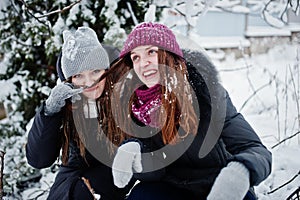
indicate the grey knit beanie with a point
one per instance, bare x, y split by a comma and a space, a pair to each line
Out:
82, 51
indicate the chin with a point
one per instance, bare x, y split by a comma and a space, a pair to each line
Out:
149, 85
92, 96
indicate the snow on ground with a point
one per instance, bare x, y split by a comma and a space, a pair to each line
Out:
272, 112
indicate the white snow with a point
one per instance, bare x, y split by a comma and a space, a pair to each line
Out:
272, 112
260, 112
272, 76
259, 31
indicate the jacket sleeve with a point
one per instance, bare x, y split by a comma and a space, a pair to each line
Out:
44, 139
245, 146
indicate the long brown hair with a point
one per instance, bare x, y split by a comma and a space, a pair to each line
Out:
177, 102
75, 128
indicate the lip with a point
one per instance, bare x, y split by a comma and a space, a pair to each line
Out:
150, 73
90, 89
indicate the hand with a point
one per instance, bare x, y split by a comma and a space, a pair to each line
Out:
58, 95
127, 159
232, 183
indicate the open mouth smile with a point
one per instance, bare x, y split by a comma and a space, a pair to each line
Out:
149, 73
90, 89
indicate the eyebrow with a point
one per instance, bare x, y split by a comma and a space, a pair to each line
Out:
150, 47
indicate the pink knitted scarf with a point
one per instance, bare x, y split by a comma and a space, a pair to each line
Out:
147, 106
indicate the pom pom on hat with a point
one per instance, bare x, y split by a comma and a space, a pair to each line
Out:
82, 51
149, 33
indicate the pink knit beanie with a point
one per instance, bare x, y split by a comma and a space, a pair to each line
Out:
149, 33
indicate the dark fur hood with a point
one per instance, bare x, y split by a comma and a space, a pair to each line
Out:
200, 65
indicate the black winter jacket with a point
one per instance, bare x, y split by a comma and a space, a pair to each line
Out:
43, 148
194, 163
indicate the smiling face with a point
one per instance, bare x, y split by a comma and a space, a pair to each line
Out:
88, 78
145, 64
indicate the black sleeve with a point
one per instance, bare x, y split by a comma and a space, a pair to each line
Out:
44, 139
245, 146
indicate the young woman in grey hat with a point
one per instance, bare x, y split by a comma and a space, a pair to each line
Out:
74, 120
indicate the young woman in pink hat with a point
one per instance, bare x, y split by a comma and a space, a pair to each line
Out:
187, 139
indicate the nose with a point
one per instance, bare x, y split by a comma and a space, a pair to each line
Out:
89, 81
145, 61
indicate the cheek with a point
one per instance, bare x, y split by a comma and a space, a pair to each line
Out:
101, 86
76, 82
137, 70
154, 60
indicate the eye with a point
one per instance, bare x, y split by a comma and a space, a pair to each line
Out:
76, 76
152, 51
135, 58
97, 71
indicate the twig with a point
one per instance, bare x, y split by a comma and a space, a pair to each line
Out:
92, 191
60, 10
264, 11
2, 153
297, 5
28, 10
135, 21
277, 109
253, 94
296, 96
286, 101
284, 183
235, 69
285, 139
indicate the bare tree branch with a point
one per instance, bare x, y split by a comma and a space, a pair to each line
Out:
285, 183
235, 69
2, 153
60, 10
29, 11
132, 13
296, 96
285, 139
254, 93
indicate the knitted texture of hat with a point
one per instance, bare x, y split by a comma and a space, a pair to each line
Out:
82, 51
149, 33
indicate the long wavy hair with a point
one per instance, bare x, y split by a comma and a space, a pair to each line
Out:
177, 102
75, 127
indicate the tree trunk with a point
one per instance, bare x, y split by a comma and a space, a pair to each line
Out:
1, 173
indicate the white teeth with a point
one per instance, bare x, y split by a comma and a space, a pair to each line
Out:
150, 72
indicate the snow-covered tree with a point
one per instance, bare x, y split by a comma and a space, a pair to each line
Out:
273, 12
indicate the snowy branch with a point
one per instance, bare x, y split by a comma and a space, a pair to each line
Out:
285, 183
135, 21
254, 93
272, 7
1, 173
286, 139
60, 10
29, 11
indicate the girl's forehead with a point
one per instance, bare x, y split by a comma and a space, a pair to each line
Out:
142, 48
92, 70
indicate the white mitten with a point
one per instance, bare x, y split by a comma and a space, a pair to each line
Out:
127, 159
232, 183
58, 95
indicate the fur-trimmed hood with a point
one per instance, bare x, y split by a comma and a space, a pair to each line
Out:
217, 94
203, 64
